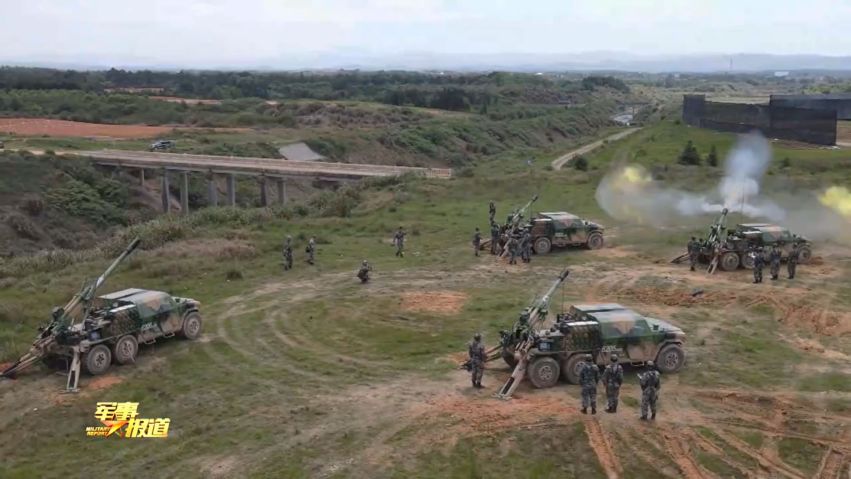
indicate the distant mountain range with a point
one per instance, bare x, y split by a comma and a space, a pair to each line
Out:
589, 61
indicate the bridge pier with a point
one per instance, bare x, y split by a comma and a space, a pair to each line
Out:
231, 190
212, 190
282, 191
264, 201
184, 192
165, 194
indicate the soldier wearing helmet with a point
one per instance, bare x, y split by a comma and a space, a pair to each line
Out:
477, 241
792, 261
774, 261
288, 253
650, 385
693, 249
399, 241
589, 376
612, 379
491, 211
476, 350
363, 272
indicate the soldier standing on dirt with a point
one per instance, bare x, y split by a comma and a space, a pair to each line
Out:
650, 385
792, 261
774, 259
494, 238
693, 250
758, 264
399, 241
512, 246
476, 350
311, 249
288, 253
612, 379
491, 211
477, 241
527, 246
363, 272
589, 376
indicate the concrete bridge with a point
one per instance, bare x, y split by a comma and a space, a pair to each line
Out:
265, 169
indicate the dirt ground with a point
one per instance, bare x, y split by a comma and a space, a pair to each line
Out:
40, 126
64, 128
744, 428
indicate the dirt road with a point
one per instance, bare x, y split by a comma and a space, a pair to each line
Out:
564, 159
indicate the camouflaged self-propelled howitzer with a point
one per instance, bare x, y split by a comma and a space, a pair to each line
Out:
545, 354
91, 332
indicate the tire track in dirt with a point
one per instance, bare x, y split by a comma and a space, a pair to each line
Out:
766, 462
682, 457
633, 441
831, 465
602, 447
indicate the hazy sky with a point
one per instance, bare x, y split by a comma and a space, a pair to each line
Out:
290, 32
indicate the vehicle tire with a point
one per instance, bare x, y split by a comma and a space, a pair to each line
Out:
544, 372
729, 261
125, 349
805, 254
191, 326
746, 261
595, 240
97, 360
508, 356
671, 358
572, 367
543, 245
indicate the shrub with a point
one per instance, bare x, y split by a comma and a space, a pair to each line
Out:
22, 226
689, 156
580, 163
233, 274
712, 157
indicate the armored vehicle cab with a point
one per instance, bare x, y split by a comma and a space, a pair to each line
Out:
564, 229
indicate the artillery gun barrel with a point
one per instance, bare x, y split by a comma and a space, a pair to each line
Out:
48, 335
545, 299
519, 214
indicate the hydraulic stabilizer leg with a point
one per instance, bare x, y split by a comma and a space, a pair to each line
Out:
516, 378
73, 372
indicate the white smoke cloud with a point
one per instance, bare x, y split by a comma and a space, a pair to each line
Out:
629, 193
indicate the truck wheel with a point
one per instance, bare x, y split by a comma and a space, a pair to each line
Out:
805, 254
125, 349
544, 372
97, 360
572, 367
747, 261
729, 261
191, 326
543, 245
670, 358
508, 357
595, 241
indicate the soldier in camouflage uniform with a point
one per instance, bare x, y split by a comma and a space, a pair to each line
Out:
288, 253
399, 241
693, 249
513, 245
758, 264
491, 211
527, 246
650, 385
363, 272
311, 249
494, 238
477, 241
476, 350
589, 376
792, 261
612, 379
774, 259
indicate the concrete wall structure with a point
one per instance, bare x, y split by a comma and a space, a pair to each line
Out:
839, 102
788, 123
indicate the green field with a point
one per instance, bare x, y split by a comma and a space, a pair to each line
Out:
308, 373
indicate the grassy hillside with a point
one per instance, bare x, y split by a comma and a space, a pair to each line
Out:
308, 373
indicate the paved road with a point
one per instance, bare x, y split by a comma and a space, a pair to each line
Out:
565, 158
246, 165
268, 166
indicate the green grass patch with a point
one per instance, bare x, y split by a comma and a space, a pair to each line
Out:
800, 453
